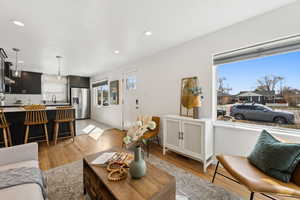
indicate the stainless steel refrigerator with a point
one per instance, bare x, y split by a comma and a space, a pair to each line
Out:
80, 99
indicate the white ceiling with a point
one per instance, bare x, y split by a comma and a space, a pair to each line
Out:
87, 32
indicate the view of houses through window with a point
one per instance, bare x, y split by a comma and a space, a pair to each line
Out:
102, 94
264, 91
106, 93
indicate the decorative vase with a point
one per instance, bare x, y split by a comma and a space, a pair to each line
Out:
196, 112
138, 166
196, 106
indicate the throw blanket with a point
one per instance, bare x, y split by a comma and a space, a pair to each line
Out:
20, 176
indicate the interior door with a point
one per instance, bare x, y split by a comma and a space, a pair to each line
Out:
173, 136
131, 102
192, 137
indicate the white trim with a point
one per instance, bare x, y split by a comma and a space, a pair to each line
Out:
108, 107
255, 127
214, 92
260, 49
258, 44
124, 92
104, 79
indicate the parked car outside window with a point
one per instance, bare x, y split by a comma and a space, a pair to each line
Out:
258, 112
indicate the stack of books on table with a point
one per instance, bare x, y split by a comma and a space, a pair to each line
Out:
107, 157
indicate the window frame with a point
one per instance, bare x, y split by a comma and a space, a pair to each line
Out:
127, 83
118, 93
95, 94
238, 125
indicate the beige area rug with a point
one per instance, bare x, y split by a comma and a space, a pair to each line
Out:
66, 183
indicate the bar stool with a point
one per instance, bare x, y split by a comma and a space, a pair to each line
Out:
64, 114
36, 115
5, 129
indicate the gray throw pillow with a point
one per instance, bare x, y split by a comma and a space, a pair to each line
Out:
275, 158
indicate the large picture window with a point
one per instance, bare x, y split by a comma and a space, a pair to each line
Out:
262, 91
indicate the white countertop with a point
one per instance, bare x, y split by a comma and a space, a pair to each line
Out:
47, 104
21, 109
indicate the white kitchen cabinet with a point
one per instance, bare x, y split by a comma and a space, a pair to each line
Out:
190, 137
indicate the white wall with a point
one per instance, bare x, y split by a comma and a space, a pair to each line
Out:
159, 76
240, 140
111, 115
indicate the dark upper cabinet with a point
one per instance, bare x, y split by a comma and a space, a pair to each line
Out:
78, 82
3, 56
29, 83
85, 82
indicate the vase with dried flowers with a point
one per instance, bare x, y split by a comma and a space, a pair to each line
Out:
137, 167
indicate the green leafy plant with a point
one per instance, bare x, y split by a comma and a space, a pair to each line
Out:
196, 91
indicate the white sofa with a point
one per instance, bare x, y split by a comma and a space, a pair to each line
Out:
20, 156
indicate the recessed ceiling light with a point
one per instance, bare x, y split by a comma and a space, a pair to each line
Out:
21, 62
18, 23
116, 51
147, 33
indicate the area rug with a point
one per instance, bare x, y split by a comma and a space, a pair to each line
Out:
66, 183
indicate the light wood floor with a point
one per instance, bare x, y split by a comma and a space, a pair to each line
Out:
67, 151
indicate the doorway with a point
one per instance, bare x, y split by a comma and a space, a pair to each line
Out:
131, 102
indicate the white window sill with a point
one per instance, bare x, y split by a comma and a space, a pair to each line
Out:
258, 128
107, 107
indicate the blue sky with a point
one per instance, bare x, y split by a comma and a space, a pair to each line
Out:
241, 76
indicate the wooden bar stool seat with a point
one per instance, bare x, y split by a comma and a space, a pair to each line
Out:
5, 129
36, 115
64, 114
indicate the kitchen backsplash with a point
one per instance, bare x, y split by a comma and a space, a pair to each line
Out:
25, 98
54, 87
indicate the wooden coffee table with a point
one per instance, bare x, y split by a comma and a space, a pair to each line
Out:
156, 185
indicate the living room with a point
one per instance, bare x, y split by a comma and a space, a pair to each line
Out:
138, 71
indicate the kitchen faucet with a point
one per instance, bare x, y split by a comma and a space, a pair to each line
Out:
54, 97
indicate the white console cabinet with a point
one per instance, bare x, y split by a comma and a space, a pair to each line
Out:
190, 137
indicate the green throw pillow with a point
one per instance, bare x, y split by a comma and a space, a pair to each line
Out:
275, 158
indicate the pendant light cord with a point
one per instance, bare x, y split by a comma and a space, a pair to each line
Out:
59, 65
58, 59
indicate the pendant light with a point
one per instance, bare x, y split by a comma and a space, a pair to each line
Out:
17, 71
59, 67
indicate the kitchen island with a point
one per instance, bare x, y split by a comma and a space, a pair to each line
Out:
15, 117
12, 105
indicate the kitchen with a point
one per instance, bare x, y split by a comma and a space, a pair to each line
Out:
19, 89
